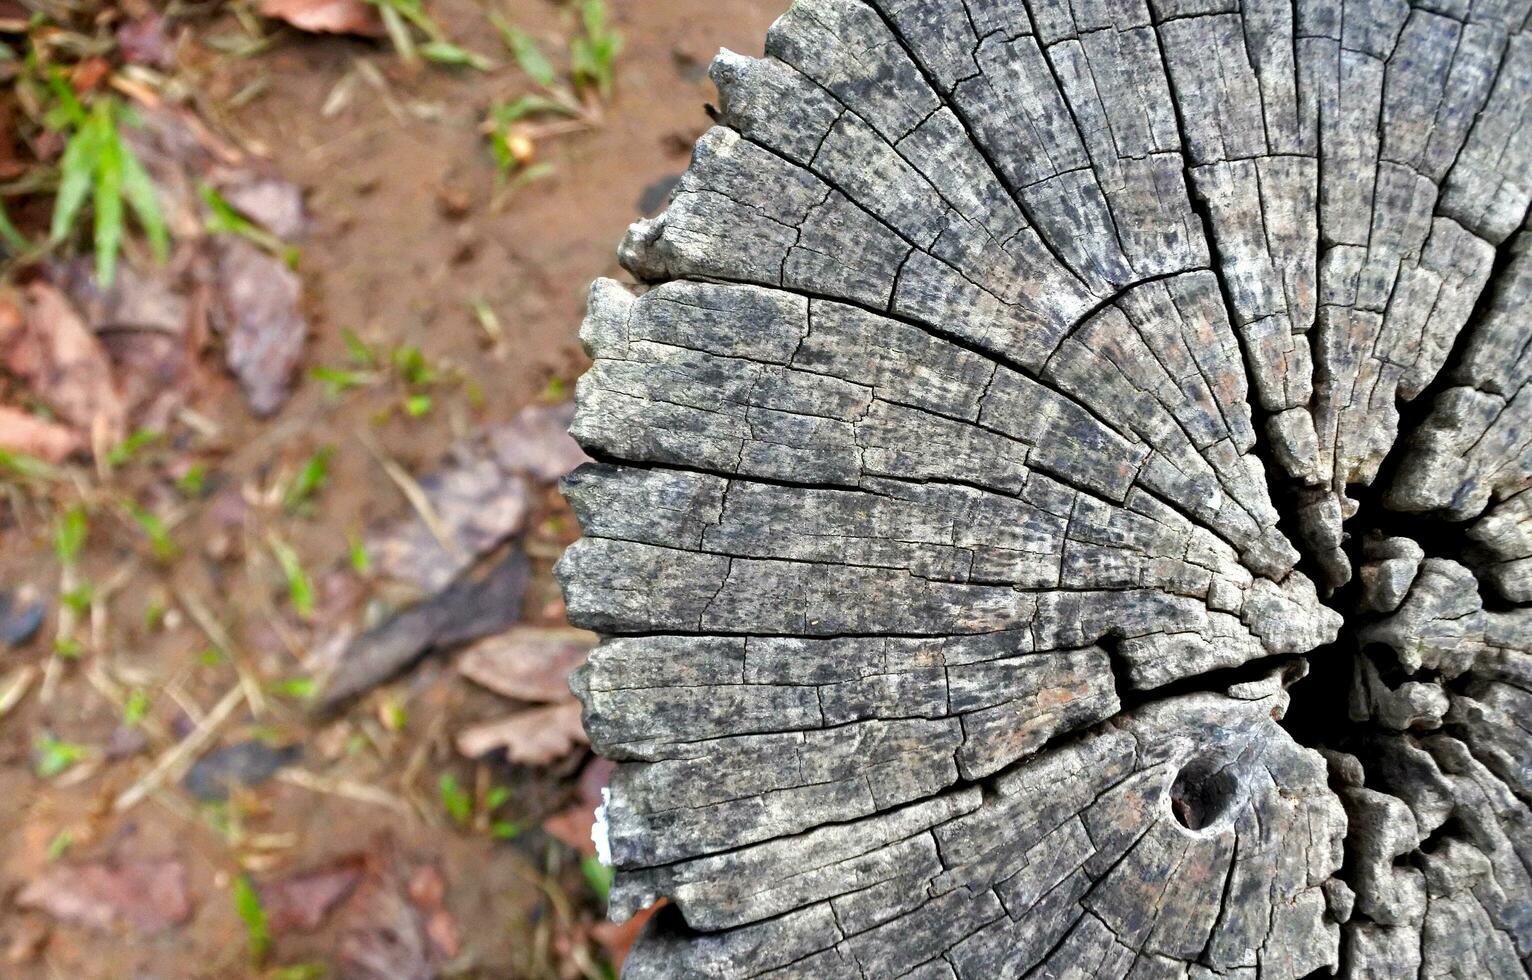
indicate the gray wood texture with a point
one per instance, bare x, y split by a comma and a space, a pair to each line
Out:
1014, 402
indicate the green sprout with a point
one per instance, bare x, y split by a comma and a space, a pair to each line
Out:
70, 534
592, 56
20, 466
358, 350
598, 876
247, 904
358, 555
412, 366
593, 53
455, 800
310, 480
136, 708
338, 381
99, 165
125, 451
53, 757
60, 845
224, 219
79, 598
153, 526
193, 482
399, 16
296, 688
300, 588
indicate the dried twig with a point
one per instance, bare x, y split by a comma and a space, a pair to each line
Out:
182, 752
350, 789
17, 683
220, 638
412, 492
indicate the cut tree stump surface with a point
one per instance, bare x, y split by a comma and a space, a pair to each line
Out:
1018, 401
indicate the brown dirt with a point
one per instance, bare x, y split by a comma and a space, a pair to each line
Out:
405, 241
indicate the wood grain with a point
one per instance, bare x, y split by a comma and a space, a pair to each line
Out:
1012, 405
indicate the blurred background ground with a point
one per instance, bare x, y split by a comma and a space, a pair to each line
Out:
288, 331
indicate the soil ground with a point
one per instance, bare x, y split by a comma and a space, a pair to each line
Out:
407, 241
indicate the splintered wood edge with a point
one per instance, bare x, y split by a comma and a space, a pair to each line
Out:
1016, 401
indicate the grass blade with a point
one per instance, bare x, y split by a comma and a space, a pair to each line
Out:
108, 194
398, 33
76, 167
11, 235
300, 588
70, 534
447, 53
145, 200
247, 903
528, 54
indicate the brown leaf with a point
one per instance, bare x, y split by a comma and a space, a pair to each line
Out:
89, 74
441, 929
264, 330
618, 940
47, 345
302, 902
155, 372
573, 827
148, 896
271, 202
386, 939
465, 611
478, 505
428, 891
532, 738
135, 300
528, 663
21, 432
595, 777
326, 16
28, 937
537, 442
397, 924
427, 888
144, 41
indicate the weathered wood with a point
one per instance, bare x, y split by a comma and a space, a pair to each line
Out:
1014, 398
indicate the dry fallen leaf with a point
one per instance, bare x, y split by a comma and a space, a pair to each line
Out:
264, 330
145, 41
147, 896
397, 927
21, 432
326, 16
478, 506
135, 300
618, 940
573, 826
528, 663
271, 202
29, 936
465, 611
537, 442
301, 902
386, 938
44, 342
428, 892
532, 738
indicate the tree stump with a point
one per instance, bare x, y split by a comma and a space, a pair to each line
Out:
1017, 402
